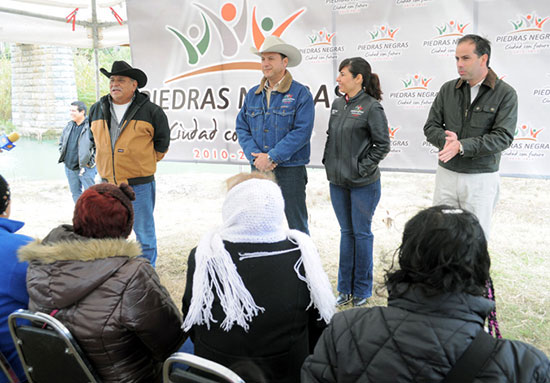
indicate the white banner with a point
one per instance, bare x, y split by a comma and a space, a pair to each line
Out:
198, 60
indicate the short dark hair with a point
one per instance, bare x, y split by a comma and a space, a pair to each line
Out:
483, 46
443, 249
80, 106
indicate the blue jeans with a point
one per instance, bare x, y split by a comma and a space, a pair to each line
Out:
293, 180
144, 221
354, 208
78, 183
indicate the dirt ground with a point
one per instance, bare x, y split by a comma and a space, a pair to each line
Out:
189, 204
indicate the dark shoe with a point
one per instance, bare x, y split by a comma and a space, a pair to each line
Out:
343, 299
359, 301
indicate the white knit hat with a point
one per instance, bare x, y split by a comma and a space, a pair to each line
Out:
253, 212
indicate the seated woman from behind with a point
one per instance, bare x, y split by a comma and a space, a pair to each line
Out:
257, 297
92, 279
436, 307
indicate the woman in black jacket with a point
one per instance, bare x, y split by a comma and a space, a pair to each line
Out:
436, 307
357, 141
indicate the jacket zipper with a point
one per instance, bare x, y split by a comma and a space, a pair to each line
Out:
109, 133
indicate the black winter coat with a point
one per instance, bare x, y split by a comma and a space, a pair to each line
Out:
416, 339
279, 339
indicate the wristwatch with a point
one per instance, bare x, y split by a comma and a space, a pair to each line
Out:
461, 149
270, 159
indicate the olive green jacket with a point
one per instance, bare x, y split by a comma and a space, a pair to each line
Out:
485, 128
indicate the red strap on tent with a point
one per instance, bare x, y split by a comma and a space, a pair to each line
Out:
116, 15
71, 17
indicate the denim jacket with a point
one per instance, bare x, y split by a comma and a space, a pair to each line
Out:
283, 130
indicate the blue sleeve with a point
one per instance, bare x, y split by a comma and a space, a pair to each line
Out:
18, 283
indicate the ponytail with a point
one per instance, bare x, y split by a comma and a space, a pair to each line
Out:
372, 86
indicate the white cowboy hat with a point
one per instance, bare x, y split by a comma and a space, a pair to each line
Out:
277, 45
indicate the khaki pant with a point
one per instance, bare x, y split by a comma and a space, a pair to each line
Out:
478, 193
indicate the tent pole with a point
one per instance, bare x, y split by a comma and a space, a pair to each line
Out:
95, 38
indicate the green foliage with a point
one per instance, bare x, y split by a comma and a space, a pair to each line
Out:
5, 84
84, 69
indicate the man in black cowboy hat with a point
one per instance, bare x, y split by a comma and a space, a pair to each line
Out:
131, 134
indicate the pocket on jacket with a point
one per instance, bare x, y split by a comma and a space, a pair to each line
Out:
483, 116
255, 118
284, 120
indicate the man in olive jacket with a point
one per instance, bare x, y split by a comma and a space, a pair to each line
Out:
472, 120
131, 135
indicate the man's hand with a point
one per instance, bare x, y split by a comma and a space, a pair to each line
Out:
451, 148
262, 163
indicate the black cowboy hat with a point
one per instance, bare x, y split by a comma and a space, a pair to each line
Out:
122, 68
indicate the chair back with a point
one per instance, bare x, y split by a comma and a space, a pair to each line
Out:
7, 369
172, 374
47, 350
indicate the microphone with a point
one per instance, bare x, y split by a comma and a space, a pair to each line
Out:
7, 142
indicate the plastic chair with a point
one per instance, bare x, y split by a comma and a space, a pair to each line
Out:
47, 350
178, 375
7, 369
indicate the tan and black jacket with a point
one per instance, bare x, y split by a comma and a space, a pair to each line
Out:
110, 299
143, 141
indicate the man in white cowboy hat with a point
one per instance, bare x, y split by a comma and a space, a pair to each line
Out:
131, 135
275, 124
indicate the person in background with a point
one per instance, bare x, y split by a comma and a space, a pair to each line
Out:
131, 135
77, 151
472, 121
91, 278
13, 288
436, 308
256, 296
357, 140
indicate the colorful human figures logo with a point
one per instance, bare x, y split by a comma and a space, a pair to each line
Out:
526, 133
231, 28
416, 82
321, 37
451, 28
528, 23
392, 130
383, 32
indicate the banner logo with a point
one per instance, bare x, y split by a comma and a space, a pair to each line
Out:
525, 133
396, 144
527, 36
448, 34
527, 145
383, 44
415, 93
321, 48
528, 23
231, 29
321, 37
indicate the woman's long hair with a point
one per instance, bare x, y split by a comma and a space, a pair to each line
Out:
371, 82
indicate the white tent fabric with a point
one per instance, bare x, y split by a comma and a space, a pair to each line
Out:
45, 22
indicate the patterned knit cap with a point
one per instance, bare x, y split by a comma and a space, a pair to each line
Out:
4, 194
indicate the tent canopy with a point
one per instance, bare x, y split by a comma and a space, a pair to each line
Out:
45, 22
